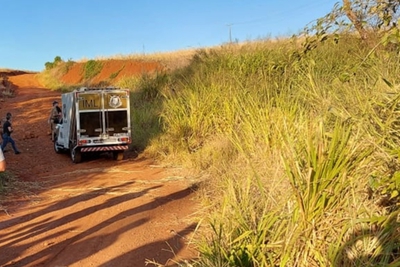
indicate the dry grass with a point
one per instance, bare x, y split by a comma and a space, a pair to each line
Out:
177, 59
172, 60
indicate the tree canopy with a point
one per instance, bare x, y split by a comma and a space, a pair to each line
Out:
362, 16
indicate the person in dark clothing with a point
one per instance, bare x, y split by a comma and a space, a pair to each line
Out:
7, 130
54, 118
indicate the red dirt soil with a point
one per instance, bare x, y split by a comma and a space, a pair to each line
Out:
97, 213
112, 70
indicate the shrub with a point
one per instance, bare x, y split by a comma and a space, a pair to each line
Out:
49, 65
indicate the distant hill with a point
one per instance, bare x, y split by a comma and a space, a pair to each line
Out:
104, 71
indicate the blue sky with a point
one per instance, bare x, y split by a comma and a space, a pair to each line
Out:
34, 32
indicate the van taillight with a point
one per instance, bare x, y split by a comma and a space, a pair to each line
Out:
125, 140
83, 142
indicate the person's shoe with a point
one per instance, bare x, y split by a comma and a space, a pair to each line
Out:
17, 152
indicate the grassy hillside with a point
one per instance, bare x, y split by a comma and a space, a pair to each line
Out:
67, 75
295, 148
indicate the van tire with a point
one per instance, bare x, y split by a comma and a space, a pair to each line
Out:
76, 155
118, 155
57, 148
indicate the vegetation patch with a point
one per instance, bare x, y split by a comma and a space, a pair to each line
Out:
91, 69
50, 65
115, 74
66, 66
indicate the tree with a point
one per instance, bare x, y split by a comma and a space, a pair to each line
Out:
57, 60
50, 65
362, 16
355, 19
375, 15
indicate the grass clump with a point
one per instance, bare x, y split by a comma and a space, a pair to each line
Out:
4, 179
115, 74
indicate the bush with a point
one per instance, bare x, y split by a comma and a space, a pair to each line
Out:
49, 65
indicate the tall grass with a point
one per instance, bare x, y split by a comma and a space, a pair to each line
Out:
146, 105
301, 150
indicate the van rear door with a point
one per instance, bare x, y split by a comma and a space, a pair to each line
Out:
116, 112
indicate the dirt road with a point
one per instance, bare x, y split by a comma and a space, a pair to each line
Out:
97, 213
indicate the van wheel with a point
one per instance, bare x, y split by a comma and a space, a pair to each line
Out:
76, 155
118, 155
57, 148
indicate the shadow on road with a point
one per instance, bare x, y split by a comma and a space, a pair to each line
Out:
86, 242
